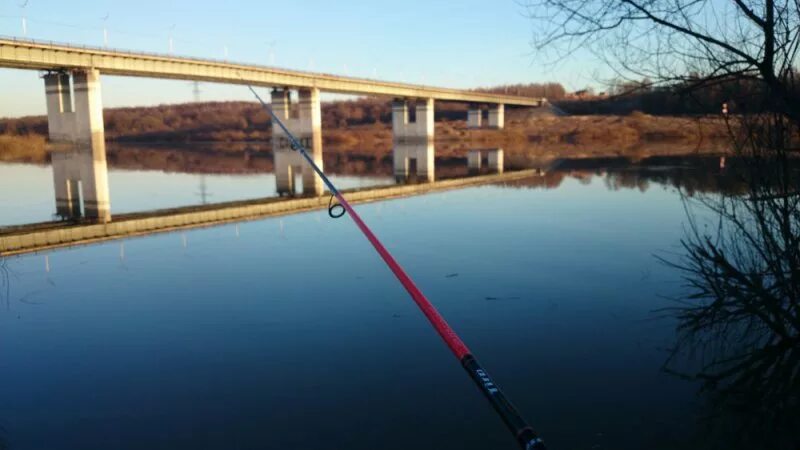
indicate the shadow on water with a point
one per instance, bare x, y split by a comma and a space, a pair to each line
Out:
738, 321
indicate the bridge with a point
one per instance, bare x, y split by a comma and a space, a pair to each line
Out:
75, 113
35, 55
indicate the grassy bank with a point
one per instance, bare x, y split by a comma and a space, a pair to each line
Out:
27, 148
241, 127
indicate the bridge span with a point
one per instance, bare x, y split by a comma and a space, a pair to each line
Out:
48, 56
75, 113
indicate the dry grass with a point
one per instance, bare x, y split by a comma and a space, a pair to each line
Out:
25, 148
526, 136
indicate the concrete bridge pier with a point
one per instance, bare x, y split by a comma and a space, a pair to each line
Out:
414, 160
77, 135
406, 129
304, 120
474, 116
494, 160
497, 116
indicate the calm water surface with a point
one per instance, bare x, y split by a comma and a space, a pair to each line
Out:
290, 333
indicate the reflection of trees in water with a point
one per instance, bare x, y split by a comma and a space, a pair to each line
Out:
693, 175
225, 160
222, 160
739, 320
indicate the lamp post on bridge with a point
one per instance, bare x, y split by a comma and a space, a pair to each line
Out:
171, 32
271, 46
105, 30
24, 18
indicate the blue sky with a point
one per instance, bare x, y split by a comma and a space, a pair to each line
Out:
447, 43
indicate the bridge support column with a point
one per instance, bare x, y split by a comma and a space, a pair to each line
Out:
306, 125
497, 116
474, 117
413, 152
80, 173
420, 129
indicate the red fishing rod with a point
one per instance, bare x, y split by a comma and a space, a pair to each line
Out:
523, 433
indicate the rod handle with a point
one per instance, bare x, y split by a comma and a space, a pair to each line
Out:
524, 434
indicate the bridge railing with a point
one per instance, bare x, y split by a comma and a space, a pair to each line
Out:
155, 54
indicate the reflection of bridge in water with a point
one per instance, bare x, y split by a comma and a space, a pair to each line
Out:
81, 192
81, 179
80, 184
83, 199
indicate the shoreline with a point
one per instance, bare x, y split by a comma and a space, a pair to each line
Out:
525, 137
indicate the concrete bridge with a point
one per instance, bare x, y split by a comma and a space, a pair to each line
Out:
75, 112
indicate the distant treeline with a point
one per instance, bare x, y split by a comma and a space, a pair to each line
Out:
248, 122
365, 120
241, 121
692, 97
551, 91
216, 121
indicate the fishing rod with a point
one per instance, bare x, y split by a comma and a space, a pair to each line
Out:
523, 433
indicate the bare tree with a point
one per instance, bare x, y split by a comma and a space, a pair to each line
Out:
740, 315
692, 42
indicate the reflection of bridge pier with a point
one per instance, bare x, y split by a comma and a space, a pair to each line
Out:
75, 125
414, 160
81, 186
494, 160
306, 124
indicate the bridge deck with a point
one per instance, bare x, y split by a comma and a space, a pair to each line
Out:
28, 54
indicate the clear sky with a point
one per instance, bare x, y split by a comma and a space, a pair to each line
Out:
467, 43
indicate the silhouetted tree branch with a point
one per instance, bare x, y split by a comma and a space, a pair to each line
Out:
688, 42
741, 253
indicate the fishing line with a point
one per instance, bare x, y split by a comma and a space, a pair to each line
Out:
523, 433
